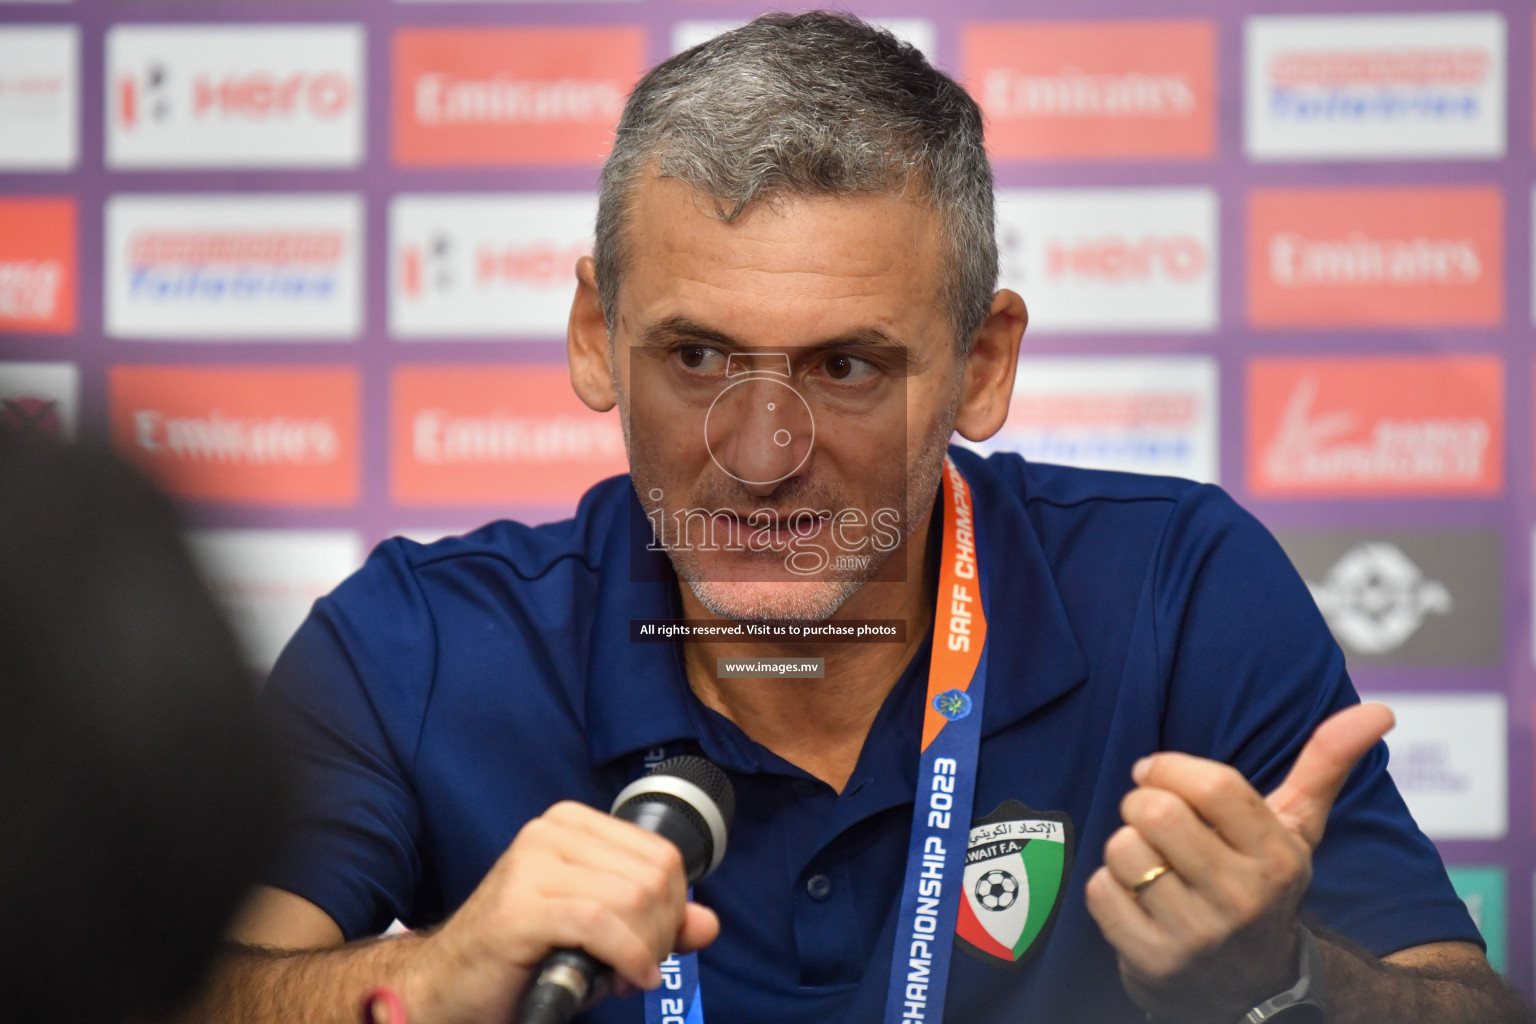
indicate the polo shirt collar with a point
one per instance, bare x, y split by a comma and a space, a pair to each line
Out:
637, 695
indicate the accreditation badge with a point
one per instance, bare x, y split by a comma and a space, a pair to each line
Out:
1016, 866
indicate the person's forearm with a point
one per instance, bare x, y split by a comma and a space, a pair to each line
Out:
1364, 990
260, 986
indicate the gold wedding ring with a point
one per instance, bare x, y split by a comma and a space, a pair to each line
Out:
1147, 879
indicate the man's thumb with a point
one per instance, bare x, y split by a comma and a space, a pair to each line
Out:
1303, 800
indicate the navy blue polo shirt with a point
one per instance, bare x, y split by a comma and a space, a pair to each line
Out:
446, 694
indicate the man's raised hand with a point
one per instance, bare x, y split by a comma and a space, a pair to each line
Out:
1214, 933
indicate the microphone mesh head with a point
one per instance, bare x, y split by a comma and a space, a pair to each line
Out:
705, 774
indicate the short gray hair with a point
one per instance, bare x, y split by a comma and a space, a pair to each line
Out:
811, 104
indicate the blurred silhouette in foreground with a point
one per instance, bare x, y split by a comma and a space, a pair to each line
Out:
138, 793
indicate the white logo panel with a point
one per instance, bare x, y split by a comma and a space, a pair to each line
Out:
235, 96
486, 266
39, 97
266, 580
1448, 758
40, 397
251, 267
1111, 260
1140, 415
1375, 86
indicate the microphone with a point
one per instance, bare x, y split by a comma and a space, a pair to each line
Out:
687, 800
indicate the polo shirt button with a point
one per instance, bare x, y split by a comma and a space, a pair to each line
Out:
819, 887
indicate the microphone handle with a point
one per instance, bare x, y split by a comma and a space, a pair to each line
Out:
568, 980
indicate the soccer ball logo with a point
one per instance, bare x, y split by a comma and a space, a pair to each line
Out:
997, 890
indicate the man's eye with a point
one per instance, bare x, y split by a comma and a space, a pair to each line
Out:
847, 368
697, 357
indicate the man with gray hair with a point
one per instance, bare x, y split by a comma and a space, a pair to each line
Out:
1040, 743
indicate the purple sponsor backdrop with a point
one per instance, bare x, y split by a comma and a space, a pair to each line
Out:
1228, 171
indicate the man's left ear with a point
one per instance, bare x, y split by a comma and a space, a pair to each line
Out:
587, 346
988, 385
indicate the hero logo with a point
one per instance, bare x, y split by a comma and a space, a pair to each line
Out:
1114, 258
1375, 598
1424, 86
289, 266
255, 96
486, 266
227, 96
1111, 259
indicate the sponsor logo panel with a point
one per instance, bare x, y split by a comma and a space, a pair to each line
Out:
517, 96
261, 436
1376, 426
1448, 758
1483, 890
916, 31
486, 266
1406, 597
484, 434
235, 96
251, 267
41, 398
38, 270
1094, 89
1389, 86
1376, 257
266, 580
1144, 415
39, 97
1111, 260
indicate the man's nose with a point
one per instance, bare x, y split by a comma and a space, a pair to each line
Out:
761, 433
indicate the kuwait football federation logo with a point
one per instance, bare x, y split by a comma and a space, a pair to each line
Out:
1016, 866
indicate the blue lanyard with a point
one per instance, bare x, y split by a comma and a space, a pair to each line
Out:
941, 811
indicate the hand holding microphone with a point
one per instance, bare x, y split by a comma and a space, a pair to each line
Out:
599, 891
